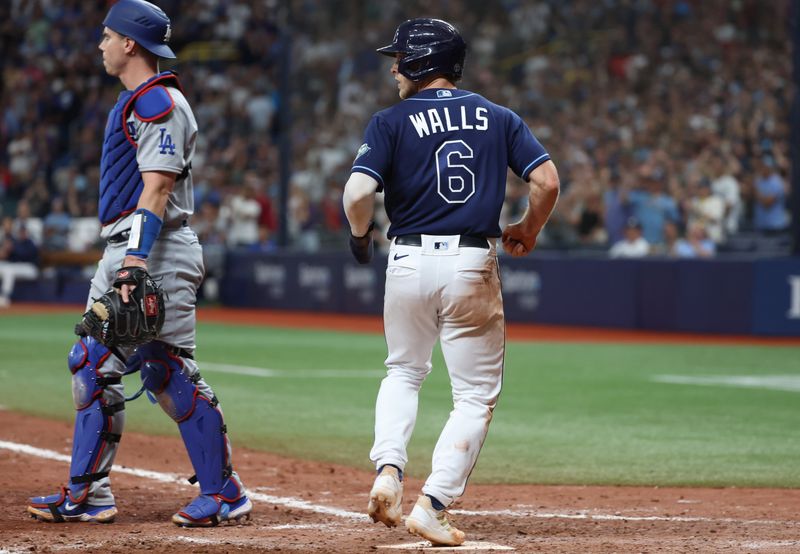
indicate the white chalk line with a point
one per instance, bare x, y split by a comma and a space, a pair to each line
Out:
786, 383
619, 517
758, 545
296, 503
468, 546
292, 373
173, 478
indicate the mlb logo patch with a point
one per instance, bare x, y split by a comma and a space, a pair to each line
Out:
150, 305
444, 94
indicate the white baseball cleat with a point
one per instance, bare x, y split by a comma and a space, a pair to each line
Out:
430, 523
386, 498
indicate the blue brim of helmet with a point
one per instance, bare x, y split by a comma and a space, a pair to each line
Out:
161, 50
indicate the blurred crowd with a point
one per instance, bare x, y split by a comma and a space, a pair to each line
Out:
667, 119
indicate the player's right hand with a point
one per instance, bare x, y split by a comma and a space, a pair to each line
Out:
125, 284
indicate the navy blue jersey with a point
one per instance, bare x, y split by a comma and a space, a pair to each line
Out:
441, 158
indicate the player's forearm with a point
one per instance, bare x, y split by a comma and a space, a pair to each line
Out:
544, 190
158, 186
359, 213
359, 202
148, 217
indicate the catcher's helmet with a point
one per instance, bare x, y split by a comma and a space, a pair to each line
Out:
144, 22
431, 47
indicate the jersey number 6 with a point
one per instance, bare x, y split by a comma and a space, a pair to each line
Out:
455, 181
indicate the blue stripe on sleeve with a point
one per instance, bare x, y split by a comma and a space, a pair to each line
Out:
535, 163
364, 169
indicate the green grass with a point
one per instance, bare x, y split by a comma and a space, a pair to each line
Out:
568, 413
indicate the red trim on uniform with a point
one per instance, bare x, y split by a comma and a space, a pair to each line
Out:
194, 405
162, 114
120, 216
81, 498
151, 84
175, 358
165, 382
83, 360
101, 361
103, 443
62, 495
239, 493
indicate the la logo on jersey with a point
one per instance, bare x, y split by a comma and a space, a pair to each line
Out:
165, 143
363, 149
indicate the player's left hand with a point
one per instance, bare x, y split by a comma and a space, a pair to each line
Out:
117, 323
516, 242
126, 287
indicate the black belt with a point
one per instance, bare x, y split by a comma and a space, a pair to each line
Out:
469, 241
123, 236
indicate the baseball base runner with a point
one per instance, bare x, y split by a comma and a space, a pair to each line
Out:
440, 156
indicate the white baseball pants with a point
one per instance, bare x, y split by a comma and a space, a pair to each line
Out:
441, 291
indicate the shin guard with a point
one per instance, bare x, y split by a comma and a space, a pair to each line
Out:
199, 419
98, 426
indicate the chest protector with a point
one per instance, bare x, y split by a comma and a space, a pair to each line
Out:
120, 181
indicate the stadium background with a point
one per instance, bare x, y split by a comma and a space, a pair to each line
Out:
671, 113
640, 99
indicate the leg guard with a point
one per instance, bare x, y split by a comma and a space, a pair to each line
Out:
98, 428
199, 419
178, 388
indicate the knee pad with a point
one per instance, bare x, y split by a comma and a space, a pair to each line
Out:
162, 374
98, 426
199, 419
85, 360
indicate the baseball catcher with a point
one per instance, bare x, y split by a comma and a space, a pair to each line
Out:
140, 315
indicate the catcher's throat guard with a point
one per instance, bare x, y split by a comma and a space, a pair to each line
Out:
116, 323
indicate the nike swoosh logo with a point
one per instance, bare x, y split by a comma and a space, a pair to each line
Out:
396, 257
69, 507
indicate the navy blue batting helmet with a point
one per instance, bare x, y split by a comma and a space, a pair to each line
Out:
144, 22
430, 47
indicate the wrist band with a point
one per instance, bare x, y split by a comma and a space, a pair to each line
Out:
144, 232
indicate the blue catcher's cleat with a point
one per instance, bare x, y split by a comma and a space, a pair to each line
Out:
58, 508
208, 510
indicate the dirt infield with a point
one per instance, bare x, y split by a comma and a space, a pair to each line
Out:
303, 506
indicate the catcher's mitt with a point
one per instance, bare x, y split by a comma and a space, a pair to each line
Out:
115, 323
